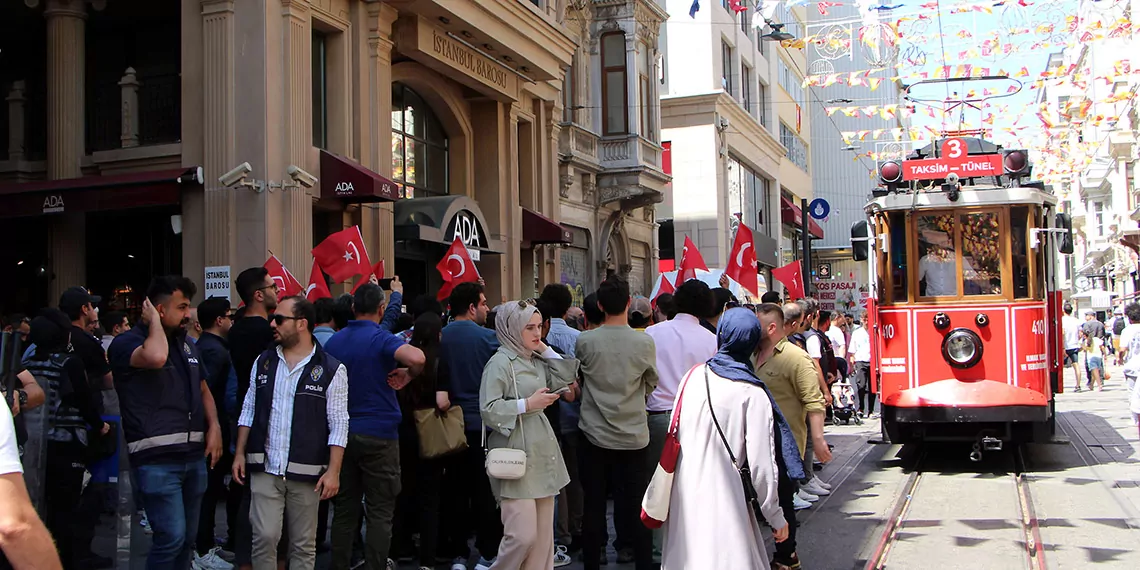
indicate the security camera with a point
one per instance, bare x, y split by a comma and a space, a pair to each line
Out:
300, 176
237, 175
723, 123
952, 178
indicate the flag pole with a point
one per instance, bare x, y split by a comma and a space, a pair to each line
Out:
806, 234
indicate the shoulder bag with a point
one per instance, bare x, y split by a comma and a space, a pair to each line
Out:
507, 463
440, 432
655, 504
745, 473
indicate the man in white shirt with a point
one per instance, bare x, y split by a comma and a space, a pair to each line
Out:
860, 354
24, 539
1130, 344
682, 343
1071, 328
938, 267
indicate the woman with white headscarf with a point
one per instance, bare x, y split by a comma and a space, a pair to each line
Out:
521, 379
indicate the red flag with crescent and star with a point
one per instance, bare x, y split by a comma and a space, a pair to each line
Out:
665, 287
287, 284
691, 261
791, 275
742, 261
455, 268
342, 255
317, 288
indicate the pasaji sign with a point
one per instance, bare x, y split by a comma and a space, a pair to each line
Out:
955, 160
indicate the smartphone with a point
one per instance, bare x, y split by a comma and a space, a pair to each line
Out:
562, 390
385, 284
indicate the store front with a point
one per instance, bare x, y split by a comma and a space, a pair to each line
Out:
426, 227
122, 230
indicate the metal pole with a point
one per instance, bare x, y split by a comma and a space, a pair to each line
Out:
806, 234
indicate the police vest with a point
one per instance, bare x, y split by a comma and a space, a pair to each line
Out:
827, 354
309, 438
163, 416
64, 420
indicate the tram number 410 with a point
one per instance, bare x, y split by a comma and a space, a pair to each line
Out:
1038, 327
888, 331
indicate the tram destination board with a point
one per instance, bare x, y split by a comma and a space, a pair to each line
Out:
954, 159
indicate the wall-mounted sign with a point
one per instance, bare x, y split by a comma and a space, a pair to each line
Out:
218, 282
465, 227
432, 47
823, 271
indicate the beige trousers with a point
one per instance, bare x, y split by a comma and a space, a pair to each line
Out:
528, 535
269, 497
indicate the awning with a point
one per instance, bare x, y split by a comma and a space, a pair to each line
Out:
348, 181
1097, 298
441, 219
790, 214
97, 193
538, 229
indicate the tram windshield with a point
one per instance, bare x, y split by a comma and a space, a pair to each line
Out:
960, 255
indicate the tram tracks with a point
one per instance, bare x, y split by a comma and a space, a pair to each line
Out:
1032, 549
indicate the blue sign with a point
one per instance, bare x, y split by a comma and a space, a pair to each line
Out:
819, 208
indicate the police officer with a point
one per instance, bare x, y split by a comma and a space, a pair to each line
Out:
169, 418
291, 436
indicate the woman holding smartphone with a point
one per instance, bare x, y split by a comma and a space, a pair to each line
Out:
519, 382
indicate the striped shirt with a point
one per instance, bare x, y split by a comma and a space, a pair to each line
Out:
281, 413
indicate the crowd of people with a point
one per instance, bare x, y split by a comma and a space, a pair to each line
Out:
387, 421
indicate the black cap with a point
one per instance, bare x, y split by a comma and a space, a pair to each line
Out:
75, 298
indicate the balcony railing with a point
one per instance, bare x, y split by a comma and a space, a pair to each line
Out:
578, 143
137, 109
629, 151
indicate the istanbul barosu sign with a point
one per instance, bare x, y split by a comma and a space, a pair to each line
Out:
218, 282
447, 55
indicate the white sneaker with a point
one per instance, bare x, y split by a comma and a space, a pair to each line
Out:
800, 504
459, 564
211, 561
803, 494
819, 482
813, 488
561, 558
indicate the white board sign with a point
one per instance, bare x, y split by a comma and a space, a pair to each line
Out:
218, 282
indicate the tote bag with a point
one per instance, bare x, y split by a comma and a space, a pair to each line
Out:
440, 433
655, 504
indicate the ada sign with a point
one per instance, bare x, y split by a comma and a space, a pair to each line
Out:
218, 282
954, 159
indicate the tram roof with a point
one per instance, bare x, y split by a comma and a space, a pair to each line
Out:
968, 196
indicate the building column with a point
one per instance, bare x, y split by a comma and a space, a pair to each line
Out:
549, 202
219, 132
297, 225
377, 219
66, 49
493, 172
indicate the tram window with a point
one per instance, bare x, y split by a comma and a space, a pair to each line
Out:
1019, 224
897, 224
981, 254
937, 266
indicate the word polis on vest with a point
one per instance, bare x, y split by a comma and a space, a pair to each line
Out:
841, 295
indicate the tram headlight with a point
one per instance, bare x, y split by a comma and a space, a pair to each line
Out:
962, 348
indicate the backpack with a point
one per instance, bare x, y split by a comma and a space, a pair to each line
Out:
1118, 326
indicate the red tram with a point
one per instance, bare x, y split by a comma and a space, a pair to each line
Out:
964, 314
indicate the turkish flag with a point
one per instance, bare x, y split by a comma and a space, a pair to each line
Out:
342, 255
742, 260
317, 288
455, 268
665, 287
792, 278
691, 261
378, 270
287, 284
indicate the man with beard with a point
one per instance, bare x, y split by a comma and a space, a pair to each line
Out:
169, 419
291, 436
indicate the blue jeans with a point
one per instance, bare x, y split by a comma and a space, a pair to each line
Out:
172, 496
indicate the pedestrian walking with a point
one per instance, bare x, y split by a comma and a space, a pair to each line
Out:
618, 374
375, 361
1071, 329
169, 418
291, 437
726, 419
523, 365
860, 354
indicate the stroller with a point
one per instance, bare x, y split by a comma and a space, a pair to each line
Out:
843, 403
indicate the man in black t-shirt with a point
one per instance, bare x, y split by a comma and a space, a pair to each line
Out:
79, 306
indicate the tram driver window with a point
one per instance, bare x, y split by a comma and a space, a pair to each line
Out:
1019, 224
897, 266
981, 253
937, 267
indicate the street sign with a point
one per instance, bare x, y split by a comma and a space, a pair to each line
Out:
954, 159
823, 271
819, 208
218, 282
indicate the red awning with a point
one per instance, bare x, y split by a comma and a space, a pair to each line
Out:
346, 180
97, 193
790, 214
538, 228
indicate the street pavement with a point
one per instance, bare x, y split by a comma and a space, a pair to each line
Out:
1085, 491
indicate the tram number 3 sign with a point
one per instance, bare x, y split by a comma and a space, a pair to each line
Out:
955, 158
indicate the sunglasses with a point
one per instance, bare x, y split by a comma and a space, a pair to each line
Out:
280, 319
274, 286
